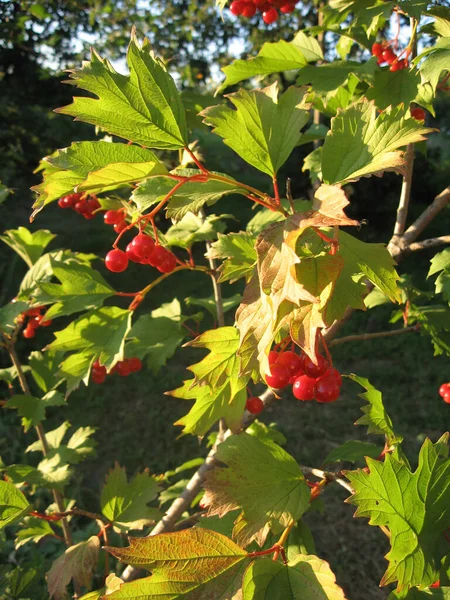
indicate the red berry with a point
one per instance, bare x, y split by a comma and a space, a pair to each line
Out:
270, 16
143, 245
237, 7
445, 387
292, 361
93, 203
303, 388
111, 217
123, 368
327, 388
377, 49
33, 312
279, 376
29, 331
389, 56
313, 370
129, 251
46, 323
254, 405
63, 202
418, 114
249, 10
135, 364
287, 8
396, 66
436, 584
168, 263
446, 397
116, 261
120, 226
273, 357
158, 255
98, 376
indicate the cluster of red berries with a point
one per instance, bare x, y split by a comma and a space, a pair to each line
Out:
80, 203
385, 54
444, 392
116, 218
122, 368
309, 380
143, 250
35, 320
268, 8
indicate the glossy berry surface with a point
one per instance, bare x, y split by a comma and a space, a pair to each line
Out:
292, 361
168, 264
249, 10
135, 364
389, 56
327, 388
143, 245
287, 8
279, 376
111, 217
116, 261
237, 7
418, 114
313, 370
129, 251
303, 388
445, 387
377, 49
446, 397
120, 226
123, 368
254, 405
29, 332
270, 16
273, 357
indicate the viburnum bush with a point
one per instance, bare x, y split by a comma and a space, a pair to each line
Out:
236, 529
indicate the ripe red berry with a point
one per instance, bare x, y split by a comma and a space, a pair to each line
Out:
292, 361
123, 368
273, 357
116, 261
377, 49
418, 114
287, 8
29, 331
396, 66
46, 323
327, 388
279, 376
111, 217
135, 364
389, 56
254, 405
270, 16
80, 207
313, 370
303, 388
237, 7
168, 263
63, 202
143, 245
249, 10
446, 397
436, 584
98, 376
445, 387
120, 226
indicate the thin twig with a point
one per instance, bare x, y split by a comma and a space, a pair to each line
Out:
405, 195
328, 475
216, 285
440, 202
430, 243
361, 337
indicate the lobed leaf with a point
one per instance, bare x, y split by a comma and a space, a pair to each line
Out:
28, 245
13, 504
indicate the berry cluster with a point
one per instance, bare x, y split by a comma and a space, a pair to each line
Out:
309, 381
143, 250
116, 218
385, 54
34, 316
122, 368
418, 114
80, 203
444, 392
268, 8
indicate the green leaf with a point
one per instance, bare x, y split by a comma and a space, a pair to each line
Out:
32, 409
441, 16
274, 58
99, 334
375, 415
440, 263
156, 336
81, 288
13, 504
34, 530
95, 167
209, 303
437, 60
238, 253
415, 508
19, 581
441, 593
49, 479
306, 578
264, 129
218, 387
300, 541
435, 323
256, 470
370, 143
192, 229
143, 107
192, 563
44, 366
4, 192
125, 503
353, 451
28, 245
8, 315
326, 79
78, 563
394, 88
313, 164
266, 433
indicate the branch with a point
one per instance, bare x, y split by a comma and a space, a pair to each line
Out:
430, 243
371, 336
328, 475
405, 195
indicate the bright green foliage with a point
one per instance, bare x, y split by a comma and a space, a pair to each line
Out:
392, 89
440, 263
144, 107
218, 386
300, 541
371, 143
95, 167
99, 334
274, 58
353, 451
47, 476
375, 415
32, 409
437, 60
81, 288
125, 503
306, 577
43, 369
29, 246
237, 250
326, 79
261, 479
441, 593
192, 229
157, 335
434, 322
263, 129
33, 530
13, 504
8, 315
209, 303
194, 563
78, 563
415, 508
